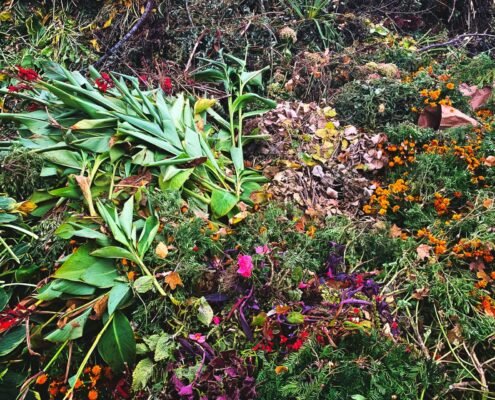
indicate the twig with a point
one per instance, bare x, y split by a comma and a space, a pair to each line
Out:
198, 41
28, 340
455, 40
119, 44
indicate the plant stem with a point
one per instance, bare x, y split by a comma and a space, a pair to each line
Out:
148, 272
88, 354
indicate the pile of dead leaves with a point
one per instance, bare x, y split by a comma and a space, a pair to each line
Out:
312, 160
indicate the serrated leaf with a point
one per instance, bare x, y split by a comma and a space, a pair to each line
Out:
142, 374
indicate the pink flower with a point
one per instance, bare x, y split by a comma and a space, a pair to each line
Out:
216, 320
197, 337
262, 249
245, 264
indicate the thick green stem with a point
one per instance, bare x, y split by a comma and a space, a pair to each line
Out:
148, 272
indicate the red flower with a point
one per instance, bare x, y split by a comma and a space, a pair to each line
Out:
27, 74
297, 345
18, 87
104, 82
166, 85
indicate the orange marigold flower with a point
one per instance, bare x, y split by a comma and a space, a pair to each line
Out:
395, 209
456, 217
78, 384
450, 86
367, 209
92, 394
131, 275
382, 211
41, 380
96, 370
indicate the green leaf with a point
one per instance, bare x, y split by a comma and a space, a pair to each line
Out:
148, 234
247, 98
174, 178
117, 345
143, 284
237, 158
165, 347
80, 261
142, 374
295, 317
114, 252
4, 298
71, 331
100, 275
112, 222
125, 217
192, 143
65, 158
118, 295
73, 288
11, 340
222, 202
205, 312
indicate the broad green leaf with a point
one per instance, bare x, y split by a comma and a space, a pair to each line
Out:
72, 330
11, 340
117, 296
4, 298
192, 145
166, 121
114, 252
72, 288
94, 124
222, 202
142, 374
174, 178
65, 158
80, 261
117, 346
100, 275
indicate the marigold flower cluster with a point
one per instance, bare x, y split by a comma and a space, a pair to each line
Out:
440, 245
402, 153
380, 200
472, 250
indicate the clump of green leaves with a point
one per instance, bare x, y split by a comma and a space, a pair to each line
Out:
20, 173
374, 104
361, 367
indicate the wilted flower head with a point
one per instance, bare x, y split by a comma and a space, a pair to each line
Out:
287, 33
27, 74
245, 264
262, 249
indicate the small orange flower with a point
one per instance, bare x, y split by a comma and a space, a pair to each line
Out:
450, 86
96, 370
131, 275
41, 380
92, 394
78, 384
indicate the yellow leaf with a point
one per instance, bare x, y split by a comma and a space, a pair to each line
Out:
161, 250
173, 280
238, 217
95, 44
279, 369
108, 22
330, 112
25, 207
344, 145
5, 16
203, 105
